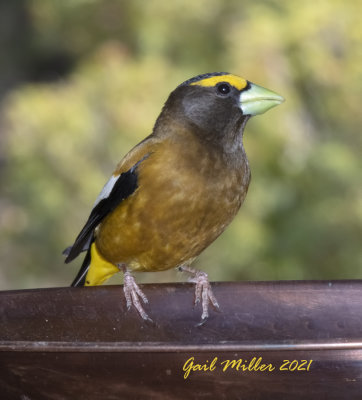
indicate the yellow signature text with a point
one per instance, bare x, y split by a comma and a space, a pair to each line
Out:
255, 364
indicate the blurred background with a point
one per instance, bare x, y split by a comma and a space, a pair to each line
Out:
82, 81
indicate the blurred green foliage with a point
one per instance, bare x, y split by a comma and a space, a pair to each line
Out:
60, 140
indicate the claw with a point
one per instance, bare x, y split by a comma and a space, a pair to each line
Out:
133, 294
203, 291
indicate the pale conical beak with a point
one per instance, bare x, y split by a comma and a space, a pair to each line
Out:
256, 100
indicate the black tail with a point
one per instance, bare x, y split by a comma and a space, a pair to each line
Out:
80, 278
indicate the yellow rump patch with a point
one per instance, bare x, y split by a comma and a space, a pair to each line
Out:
236, 81
100, 269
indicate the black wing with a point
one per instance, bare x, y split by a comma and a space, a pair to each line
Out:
79, 280
123, 186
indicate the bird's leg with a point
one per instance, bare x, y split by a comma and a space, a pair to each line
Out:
203, 291
133, 293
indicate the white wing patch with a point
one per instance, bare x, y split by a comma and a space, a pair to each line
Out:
107, 188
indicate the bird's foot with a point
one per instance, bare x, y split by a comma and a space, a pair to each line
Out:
203, 291
133, 294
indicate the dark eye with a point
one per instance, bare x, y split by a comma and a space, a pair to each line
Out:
223, 88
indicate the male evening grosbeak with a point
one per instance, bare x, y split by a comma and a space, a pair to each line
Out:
176, 191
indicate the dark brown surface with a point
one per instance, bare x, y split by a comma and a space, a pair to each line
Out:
72, 343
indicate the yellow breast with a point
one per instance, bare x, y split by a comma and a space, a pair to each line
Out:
184, 200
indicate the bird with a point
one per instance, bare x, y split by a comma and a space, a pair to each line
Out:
176, 191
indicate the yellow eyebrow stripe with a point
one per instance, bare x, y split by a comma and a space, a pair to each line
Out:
236, 81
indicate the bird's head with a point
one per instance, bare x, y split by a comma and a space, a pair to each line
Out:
216, 106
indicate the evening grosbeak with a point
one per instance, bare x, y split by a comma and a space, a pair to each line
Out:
176, 191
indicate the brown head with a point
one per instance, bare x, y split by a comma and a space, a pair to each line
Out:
215, 107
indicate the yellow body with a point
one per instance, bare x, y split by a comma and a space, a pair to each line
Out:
172, 216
